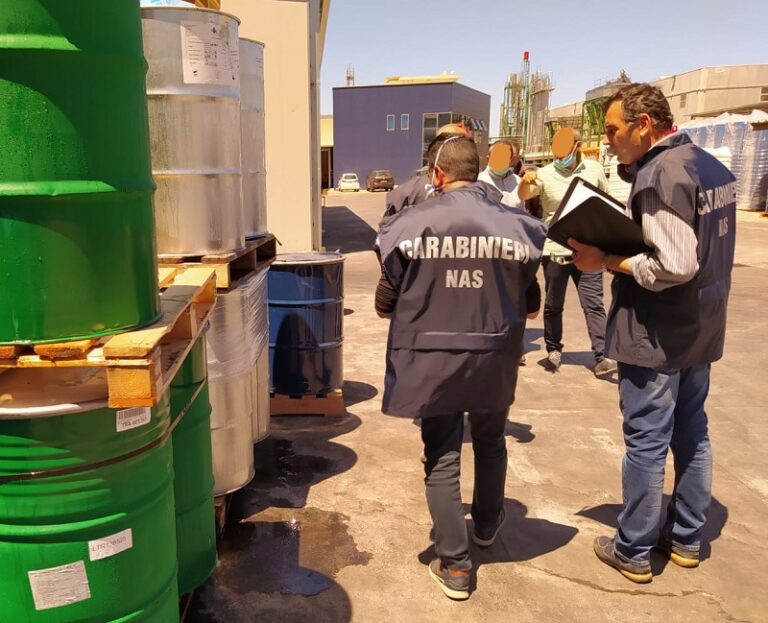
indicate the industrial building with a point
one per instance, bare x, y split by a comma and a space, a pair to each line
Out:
390, 125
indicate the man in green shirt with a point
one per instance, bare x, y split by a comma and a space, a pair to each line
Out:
550, 184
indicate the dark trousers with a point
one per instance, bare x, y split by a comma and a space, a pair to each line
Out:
442, 436
590, 289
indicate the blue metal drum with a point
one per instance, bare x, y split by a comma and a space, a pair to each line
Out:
306, 312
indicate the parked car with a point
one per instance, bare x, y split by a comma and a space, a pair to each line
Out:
349, 181
380, 179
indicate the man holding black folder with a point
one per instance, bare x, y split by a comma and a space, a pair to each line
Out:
665, 327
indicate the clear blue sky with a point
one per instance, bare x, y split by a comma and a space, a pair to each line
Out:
580, 43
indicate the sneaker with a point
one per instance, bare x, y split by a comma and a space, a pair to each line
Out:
679, 555
605, 367
553, 359
635, 571
485, 538
455, 584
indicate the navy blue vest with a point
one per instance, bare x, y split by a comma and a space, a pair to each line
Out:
684, 325
462, 262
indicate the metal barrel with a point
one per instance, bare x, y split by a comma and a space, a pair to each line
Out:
193, 469
231, 433
252, 137
87, 530
306, 313
193, 89
236, 325
260, 394
76, 224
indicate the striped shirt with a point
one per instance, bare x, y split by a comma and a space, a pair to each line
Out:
673, 259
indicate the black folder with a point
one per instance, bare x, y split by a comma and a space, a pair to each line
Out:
593, 217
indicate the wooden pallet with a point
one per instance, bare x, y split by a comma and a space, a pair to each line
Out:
140, 364
329, 405
231, 268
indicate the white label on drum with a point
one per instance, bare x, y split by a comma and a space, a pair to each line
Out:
210, 53
59, 586
133, 418
110, 545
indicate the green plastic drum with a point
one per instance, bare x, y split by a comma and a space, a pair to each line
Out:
91, 536
193, 484
76, 222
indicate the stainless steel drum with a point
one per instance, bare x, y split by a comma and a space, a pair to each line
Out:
252, 137
260, 394
193, 89
238, 327
231, 434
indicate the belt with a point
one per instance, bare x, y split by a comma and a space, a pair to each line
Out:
561, 259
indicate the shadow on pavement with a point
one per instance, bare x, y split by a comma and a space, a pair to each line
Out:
345, 231
717, 517
521, 538
276, 553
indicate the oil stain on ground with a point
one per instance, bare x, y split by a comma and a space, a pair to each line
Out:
274, 549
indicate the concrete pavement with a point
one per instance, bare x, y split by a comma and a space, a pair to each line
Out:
334, 527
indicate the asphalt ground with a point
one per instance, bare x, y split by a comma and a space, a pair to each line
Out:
334, 527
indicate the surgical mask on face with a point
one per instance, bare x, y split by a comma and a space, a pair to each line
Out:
565, 163
502, 173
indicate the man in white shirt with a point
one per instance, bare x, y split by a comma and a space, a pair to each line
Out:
503, 156
550, 183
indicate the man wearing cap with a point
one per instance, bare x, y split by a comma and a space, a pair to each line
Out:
551, 183
503, 157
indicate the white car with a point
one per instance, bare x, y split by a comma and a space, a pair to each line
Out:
349, 181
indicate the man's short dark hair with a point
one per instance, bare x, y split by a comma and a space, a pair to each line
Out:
639, 98
458, 156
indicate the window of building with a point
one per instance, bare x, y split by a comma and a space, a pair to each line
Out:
405, 121
390, 123
764, 94
683, 100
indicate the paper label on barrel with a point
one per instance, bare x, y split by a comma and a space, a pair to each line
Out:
59, 586
210, 54
133, 418
110, 545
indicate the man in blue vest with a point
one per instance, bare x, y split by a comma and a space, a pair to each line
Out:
457, 271
665, 327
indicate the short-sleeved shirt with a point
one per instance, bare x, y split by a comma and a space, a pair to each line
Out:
553, 183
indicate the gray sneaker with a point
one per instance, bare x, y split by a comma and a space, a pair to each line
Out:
553, 360
605, 550
455, 584
605, 367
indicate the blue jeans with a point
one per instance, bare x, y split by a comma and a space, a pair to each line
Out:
442, 436
663, 409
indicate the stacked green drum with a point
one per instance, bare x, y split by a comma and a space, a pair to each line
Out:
87, 527
193, 485
77, 242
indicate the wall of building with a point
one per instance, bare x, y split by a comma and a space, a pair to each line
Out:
712, 89
290, 30
362, 142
